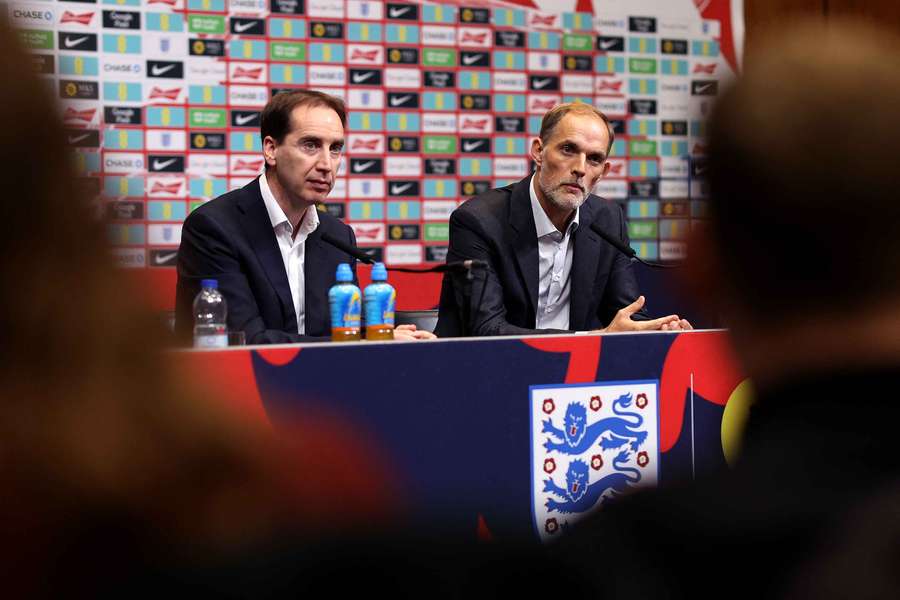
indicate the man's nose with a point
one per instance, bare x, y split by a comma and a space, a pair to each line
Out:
326, 161
579, 165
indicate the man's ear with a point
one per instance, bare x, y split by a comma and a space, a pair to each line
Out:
269, 145
536, 148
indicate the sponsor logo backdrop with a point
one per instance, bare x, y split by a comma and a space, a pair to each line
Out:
162, 100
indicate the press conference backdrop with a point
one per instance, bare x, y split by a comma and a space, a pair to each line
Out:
162, 101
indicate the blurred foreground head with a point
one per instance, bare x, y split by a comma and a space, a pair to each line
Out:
107, 457
804, 179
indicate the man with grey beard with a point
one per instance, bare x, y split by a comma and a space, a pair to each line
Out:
548, 272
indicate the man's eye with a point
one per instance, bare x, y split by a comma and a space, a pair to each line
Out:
336, 150
567, 147
308, 146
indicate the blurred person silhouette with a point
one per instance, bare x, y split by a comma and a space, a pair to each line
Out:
109, 463
803, 250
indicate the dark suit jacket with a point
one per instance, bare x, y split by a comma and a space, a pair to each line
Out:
498, 227
231, 239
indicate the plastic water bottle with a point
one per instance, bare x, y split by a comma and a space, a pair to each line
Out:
345, 301
380, 299
210, 312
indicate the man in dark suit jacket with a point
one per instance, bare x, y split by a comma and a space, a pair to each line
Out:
232, 239
263, 243
548, 271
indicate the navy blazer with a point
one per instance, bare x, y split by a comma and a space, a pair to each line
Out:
498, 227
231, 239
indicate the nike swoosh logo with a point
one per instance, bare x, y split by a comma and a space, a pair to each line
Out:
468, 59
72, 42
703, 88
162, 164
243, 119
700, 170
541, 83
399, 189
161, 259
74, 139
242, 27
469, 146
398, 12
360, 167
398, 100
156, 71
607, 44
360, 77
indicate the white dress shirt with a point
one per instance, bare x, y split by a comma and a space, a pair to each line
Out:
292, 248
555, 253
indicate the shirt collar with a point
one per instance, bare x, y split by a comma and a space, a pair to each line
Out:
308, 223
542, 222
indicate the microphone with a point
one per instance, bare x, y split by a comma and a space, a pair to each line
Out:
627, 250
353, 251
348, 249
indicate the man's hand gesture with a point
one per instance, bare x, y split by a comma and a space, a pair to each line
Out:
623, 322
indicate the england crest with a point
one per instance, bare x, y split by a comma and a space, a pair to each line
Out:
589, 443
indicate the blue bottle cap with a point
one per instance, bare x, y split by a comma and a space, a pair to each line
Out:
210, 283
344, 273
379, 273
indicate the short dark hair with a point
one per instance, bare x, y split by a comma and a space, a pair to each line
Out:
275, 120
556, 114
803, 177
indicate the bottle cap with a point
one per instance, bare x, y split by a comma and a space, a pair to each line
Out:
210, 283
379, 273
344, 273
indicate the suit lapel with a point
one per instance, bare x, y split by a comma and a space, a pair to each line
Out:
524, 240
585, 261
258, 227
318, 274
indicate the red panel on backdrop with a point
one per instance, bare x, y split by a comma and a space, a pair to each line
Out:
414, 291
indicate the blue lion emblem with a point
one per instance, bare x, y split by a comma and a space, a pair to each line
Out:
579, 496
613, 432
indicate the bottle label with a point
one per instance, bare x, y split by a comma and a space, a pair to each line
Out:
346, 307
381, 299
218, 340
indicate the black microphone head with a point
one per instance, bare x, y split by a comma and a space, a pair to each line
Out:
614, 240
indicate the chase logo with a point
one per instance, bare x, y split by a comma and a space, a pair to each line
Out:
589, 443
